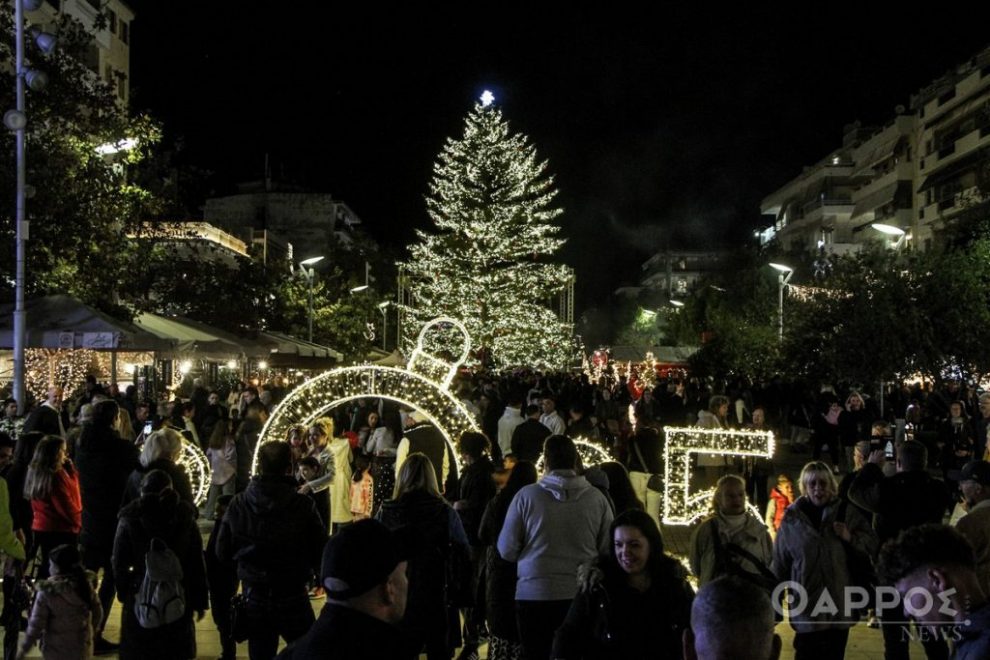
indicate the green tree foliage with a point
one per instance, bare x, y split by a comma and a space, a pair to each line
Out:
83, 206
488, 263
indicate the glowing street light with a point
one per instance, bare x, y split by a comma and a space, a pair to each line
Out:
785, 273
676, 303
310, 274
893, 231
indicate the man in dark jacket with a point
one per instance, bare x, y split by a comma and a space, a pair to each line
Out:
906, 499
50, 417
276, 537
105, 461
528, 437
422, 436
364, 573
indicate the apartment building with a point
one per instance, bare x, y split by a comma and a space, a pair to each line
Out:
109, 21
919, 172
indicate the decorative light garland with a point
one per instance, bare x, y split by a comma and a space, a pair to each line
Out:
590, 451
680, 505
197, 466
64, 367
414, 386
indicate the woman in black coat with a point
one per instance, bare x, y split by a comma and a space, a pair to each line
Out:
634, 603
434, 526
159, 514
161, 451
500, 575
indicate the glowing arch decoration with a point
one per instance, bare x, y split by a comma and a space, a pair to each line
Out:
681, 506
422, 385
197, 466
590, 451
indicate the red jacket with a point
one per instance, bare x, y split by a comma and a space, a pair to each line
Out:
782, 502
62, 511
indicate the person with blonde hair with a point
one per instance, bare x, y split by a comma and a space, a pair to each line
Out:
417, 503
161, 451
732, 541
818, 537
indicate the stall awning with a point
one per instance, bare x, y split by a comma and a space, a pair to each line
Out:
675, 355
61, 321
184, 338
286, 345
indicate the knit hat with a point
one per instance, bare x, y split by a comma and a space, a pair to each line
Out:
360, 556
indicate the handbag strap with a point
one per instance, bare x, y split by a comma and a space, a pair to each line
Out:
639, 455
732, 548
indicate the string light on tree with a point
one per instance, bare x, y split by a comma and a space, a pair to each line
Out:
64, 367
488, 262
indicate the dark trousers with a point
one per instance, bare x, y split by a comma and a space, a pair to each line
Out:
273, 614
13, 606
94, 559
538, 620
897, 636
821, 645
474, 617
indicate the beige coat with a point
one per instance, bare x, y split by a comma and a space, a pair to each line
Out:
975, 526
816, 559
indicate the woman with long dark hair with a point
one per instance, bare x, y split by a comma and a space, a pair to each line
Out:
52, 485
633, 603
620, 487
500, 575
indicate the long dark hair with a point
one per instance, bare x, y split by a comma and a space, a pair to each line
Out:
620, 488
658, 564
66, 558
523, 474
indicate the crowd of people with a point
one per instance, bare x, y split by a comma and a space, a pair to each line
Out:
502, 537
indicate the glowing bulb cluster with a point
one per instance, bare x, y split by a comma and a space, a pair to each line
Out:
681, 506
197, 466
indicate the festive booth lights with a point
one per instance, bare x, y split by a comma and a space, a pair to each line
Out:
197, 466
64, 367
421, 385
681, 506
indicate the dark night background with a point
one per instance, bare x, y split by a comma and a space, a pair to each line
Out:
661, 128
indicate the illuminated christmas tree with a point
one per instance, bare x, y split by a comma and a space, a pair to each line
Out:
488, 262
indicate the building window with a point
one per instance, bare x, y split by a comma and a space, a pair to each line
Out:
108, 73
948, 96
112, 21
121, 86
125, 32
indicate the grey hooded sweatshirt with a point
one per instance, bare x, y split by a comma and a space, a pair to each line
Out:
552, 527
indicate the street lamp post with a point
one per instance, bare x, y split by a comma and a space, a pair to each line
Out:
783, 277
310, 273
383, 308
16, 121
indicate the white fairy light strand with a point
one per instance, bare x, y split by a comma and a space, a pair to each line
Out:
680, 505
197, 466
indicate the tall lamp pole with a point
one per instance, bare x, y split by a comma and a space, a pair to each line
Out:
16, 121
383, 308
310, 273
783, 277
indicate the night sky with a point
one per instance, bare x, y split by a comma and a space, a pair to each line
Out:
660, 128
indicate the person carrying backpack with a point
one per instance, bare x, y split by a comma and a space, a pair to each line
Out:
160, 573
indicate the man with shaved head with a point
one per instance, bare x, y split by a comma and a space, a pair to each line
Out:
731, 619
